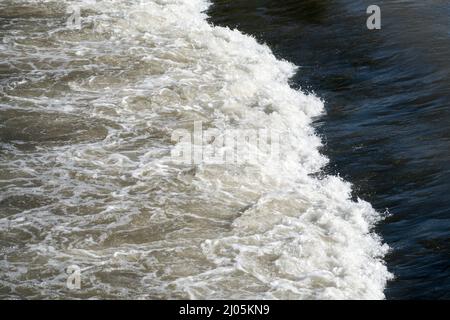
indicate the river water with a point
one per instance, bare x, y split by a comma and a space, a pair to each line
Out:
353, 207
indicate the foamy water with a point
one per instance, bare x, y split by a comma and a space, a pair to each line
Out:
87, 176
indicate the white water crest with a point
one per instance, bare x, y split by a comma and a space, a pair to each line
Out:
87, 176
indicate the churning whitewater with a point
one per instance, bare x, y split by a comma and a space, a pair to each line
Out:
88, 178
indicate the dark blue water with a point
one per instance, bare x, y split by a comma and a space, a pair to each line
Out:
387, 95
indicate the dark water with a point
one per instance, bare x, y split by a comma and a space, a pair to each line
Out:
387, 130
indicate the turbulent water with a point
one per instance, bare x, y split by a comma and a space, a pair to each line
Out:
87, 175
387, 97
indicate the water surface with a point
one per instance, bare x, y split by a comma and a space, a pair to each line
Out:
387, 97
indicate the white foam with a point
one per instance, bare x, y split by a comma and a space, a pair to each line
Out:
265, 230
